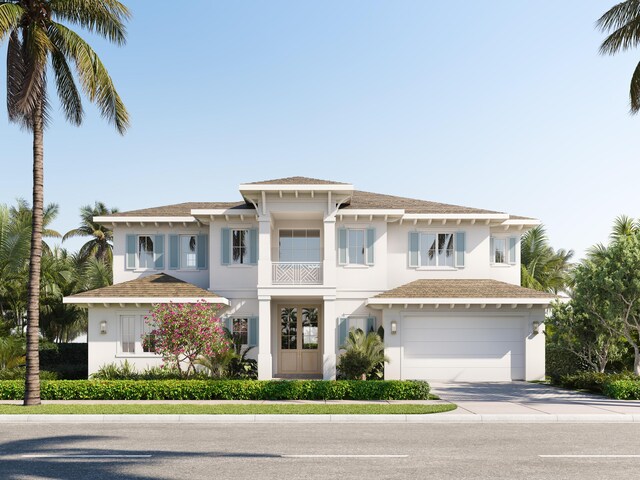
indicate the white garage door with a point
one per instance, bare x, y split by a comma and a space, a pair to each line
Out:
463, 349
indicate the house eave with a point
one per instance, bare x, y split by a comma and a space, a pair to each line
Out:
90, 301
381, 302
142, 219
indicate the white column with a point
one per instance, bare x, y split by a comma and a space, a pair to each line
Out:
329, 264
264, 251
329, 340
214, 253
265, 363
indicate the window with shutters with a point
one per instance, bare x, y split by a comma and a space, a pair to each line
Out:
436, 250
145, 252
188, 252
503, 250
240, 330
239, 246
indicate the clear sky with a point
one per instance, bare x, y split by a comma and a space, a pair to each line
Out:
504, 105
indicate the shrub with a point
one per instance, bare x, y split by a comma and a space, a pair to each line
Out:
364, 352
68, 360
221, 390
623, 389
561, 362
19, 374
592, 381
353, 364
127, 371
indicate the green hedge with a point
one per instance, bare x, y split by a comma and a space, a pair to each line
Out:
592, 381
622, 389
221, 390
68, 360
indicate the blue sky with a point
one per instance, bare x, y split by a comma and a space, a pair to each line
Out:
503, 105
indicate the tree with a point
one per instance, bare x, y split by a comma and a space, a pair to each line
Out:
543, 268
101, 244
184, 332
364, 351
38, 41
608, 287
622, 23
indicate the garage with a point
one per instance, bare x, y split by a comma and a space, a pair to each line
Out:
462, 348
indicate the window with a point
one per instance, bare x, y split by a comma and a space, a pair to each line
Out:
436, 250
499, 254
145, 252
240, 330
299, 245
148, 340
239, 250
188, 251
135, 335
127, 334
355, 247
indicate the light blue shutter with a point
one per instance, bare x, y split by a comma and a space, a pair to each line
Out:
253, 331
174, 253
492, 255
202, 244
227, 321
253, 246
513, 241
414, 247
130, 257
371, 325
343, 324
158, 250
460, 248
225, 242
371, 238
342, 246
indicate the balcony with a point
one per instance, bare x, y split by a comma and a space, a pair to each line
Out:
297, 273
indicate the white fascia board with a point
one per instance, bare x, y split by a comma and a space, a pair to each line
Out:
300, 188
517, 222
456, 216
217, 212
370, 211
188, 219
142, 300
381, 302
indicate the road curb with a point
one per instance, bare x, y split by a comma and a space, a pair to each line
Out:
292, 419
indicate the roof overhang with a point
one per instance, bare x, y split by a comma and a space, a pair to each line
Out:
207, 214
152, 220
328, 187
381, 302
98, 301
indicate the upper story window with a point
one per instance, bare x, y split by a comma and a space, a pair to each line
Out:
356, 246
239, 246
434, 249
188, 252
300, 245
145, 252
503, 250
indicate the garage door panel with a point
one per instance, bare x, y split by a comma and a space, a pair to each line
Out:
463, 348
475, 334
435, 349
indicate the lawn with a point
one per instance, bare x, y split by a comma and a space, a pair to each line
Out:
229, 409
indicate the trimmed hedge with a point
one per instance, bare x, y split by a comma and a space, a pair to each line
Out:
622, 389
221, 390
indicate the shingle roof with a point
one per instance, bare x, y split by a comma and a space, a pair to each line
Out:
181, 209
410, 205
159, 285
297, 181
431, 288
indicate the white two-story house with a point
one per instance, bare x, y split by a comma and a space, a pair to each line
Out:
298, 262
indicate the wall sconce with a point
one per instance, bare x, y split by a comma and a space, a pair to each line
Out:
394, 327
536, 327
103, 327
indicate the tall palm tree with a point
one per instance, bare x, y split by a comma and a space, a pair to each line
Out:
542, 267
623, 227
622, 23
101, 244
38, 43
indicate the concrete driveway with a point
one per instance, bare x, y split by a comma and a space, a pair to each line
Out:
516, 398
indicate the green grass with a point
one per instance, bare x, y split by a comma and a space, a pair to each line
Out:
235, 409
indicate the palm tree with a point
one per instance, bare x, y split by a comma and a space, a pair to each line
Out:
101, 244
542, 268
622, 23
623, 227
368, 346
38, 43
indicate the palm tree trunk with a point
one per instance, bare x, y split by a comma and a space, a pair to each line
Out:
32, 381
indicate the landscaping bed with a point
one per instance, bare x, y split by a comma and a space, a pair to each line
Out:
221, 390
621, 386
235, 409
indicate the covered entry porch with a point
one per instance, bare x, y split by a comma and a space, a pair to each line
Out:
297, 337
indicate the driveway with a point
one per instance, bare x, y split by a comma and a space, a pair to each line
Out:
528, 398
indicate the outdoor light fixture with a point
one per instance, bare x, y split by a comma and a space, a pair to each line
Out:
394, 327
103, 327
536, 327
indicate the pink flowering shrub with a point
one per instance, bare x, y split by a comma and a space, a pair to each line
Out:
182, 332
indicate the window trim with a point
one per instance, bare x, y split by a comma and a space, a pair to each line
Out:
137, 266
138, 351
420, 266
247, 262
320, 237
364, 247
183, 267
246, 320
508, 261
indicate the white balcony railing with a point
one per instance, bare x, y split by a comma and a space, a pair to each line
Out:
297, 273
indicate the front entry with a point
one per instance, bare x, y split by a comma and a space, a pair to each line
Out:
299, 350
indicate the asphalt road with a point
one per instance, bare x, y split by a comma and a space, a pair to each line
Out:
306, 451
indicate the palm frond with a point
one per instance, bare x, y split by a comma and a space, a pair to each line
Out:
35, 49
104, 17
67, 90
10, 16
94, 78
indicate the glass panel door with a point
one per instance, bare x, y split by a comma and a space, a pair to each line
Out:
310, 328
289, 328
